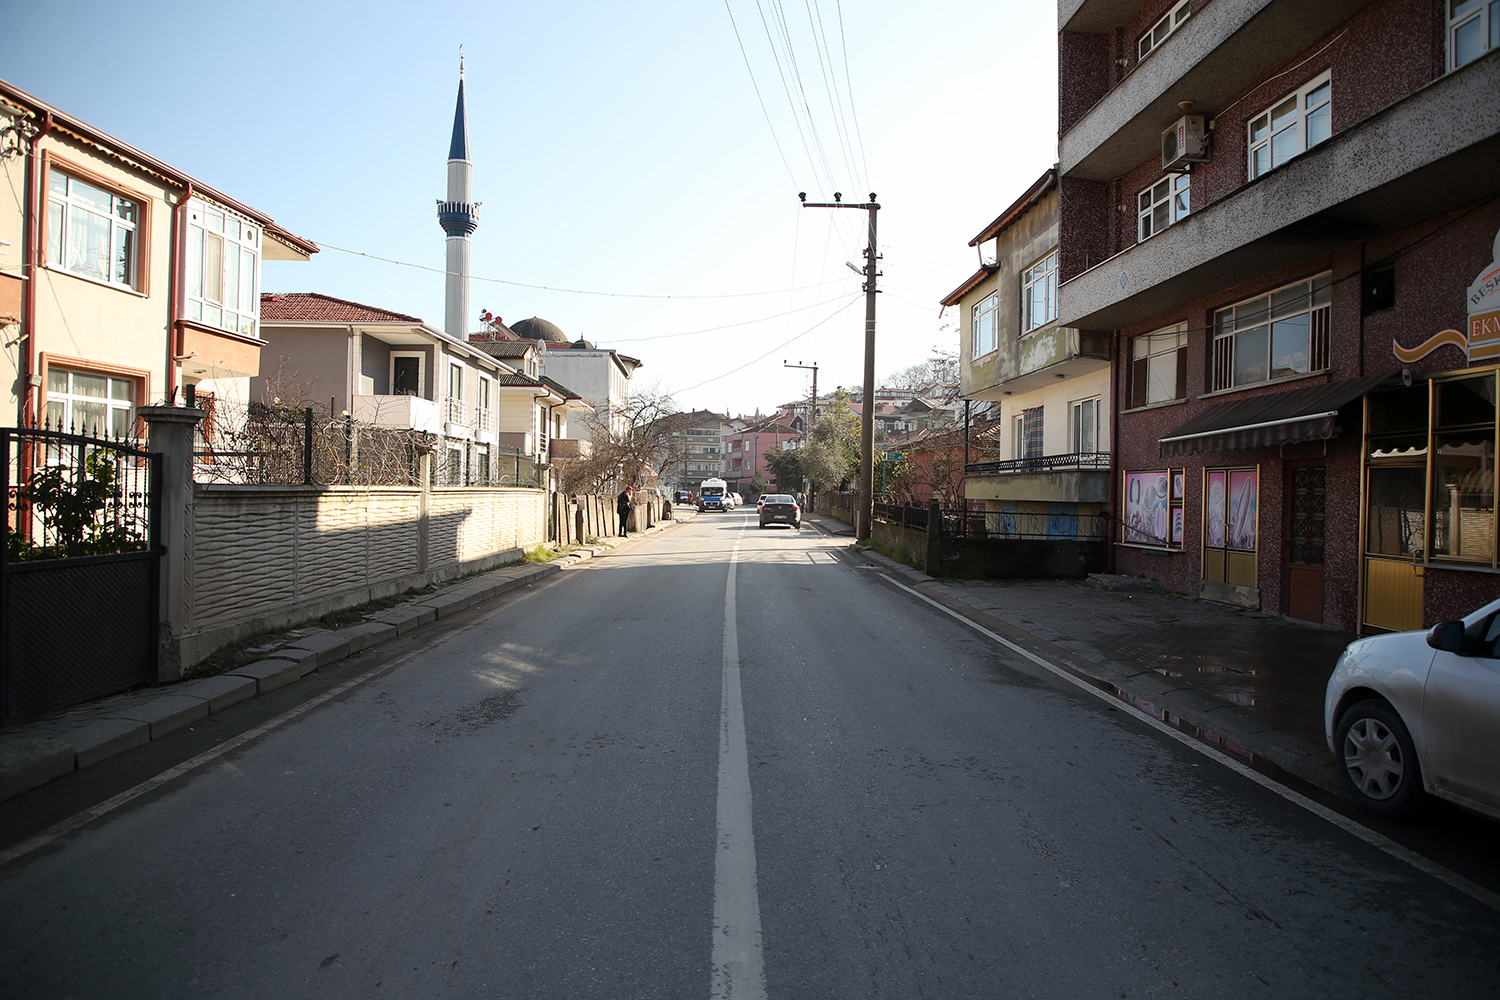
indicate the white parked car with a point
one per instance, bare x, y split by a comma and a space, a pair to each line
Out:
1417, 712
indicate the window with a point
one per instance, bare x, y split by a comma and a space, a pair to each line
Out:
1158, 366
223, 269
483, 472
1473, 30
1039, 293
90, 403
454, 401
1294, 125
1085, 426
1166, 202
486, 397
1029, 433
1273, 336
1153, 503
92, 231
986, 325
407, 376
1463, 482
1152, 39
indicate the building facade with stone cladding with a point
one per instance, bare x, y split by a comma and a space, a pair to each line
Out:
1315, 264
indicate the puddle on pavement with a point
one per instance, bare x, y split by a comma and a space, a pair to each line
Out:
1182, 725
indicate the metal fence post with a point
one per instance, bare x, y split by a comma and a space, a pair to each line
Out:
307, 447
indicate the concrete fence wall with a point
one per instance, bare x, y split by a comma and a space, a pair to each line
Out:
262, 558
240, 561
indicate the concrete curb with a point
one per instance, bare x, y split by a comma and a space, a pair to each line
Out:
1224, 725
82, 737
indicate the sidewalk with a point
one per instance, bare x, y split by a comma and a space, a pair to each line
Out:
34, 753
1248, 682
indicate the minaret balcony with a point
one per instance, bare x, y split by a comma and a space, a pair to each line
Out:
458, 218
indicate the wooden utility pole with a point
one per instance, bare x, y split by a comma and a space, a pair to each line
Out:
865, 514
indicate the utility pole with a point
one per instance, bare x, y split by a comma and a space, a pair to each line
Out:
865, 514
812, 417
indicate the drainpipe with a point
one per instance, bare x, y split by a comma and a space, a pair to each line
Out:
175, 269
30, 377
1114, 443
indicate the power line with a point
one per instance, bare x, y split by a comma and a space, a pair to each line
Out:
772, 351
771, 128
849, 88
569, 291
726, 326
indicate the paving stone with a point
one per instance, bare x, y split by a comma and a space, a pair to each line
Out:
270, 674
407, 617
327, 647
367, 634
26, 762
166, 714
103, 738
220, 692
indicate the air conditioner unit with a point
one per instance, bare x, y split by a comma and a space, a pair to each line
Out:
1185, 142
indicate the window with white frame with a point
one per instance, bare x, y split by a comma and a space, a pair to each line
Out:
408, 376
986, 325
92, 231
1273, 336
1164, 203
1039, 293
485, 402
454, 401
1085, 425
482, 470
1293, 125
90, 402
1158, 366
1161, 29
223, 269
1473, 30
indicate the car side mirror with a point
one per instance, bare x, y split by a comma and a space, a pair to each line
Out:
1448, 637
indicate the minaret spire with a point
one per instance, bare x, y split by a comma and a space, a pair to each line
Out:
459, 217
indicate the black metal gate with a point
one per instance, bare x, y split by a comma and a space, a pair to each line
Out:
80, 570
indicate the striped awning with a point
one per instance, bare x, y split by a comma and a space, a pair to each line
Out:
1277, 418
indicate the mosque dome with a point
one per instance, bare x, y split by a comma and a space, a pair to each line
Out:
539, 329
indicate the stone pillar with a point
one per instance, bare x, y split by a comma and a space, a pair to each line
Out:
171, 434
934, 539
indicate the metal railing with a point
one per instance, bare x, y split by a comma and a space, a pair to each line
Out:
1073, 461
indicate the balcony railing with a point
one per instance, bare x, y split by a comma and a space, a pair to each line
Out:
1072, 462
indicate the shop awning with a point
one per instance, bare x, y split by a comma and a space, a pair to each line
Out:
1273, 419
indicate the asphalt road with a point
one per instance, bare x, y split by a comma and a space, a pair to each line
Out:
606, 787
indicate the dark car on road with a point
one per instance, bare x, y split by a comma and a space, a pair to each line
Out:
779, 508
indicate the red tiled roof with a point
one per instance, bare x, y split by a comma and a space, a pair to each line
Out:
313, 307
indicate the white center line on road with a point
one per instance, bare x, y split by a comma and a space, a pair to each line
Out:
1395, 850
739, 973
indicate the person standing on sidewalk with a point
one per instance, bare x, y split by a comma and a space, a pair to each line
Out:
622, 507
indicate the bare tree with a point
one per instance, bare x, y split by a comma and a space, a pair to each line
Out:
645, 445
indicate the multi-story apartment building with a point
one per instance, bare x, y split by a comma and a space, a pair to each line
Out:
1286, 215
745, 451
123, 280
1047, 471
697, 444
391, 370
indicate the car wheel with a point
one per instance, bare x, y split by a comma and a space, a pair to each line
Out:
1379, 760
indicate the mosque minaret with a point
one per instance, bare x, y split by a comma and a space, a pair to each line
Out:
459, 217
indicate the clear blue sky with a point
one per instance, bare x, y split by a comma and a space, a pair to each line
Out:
619, 148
